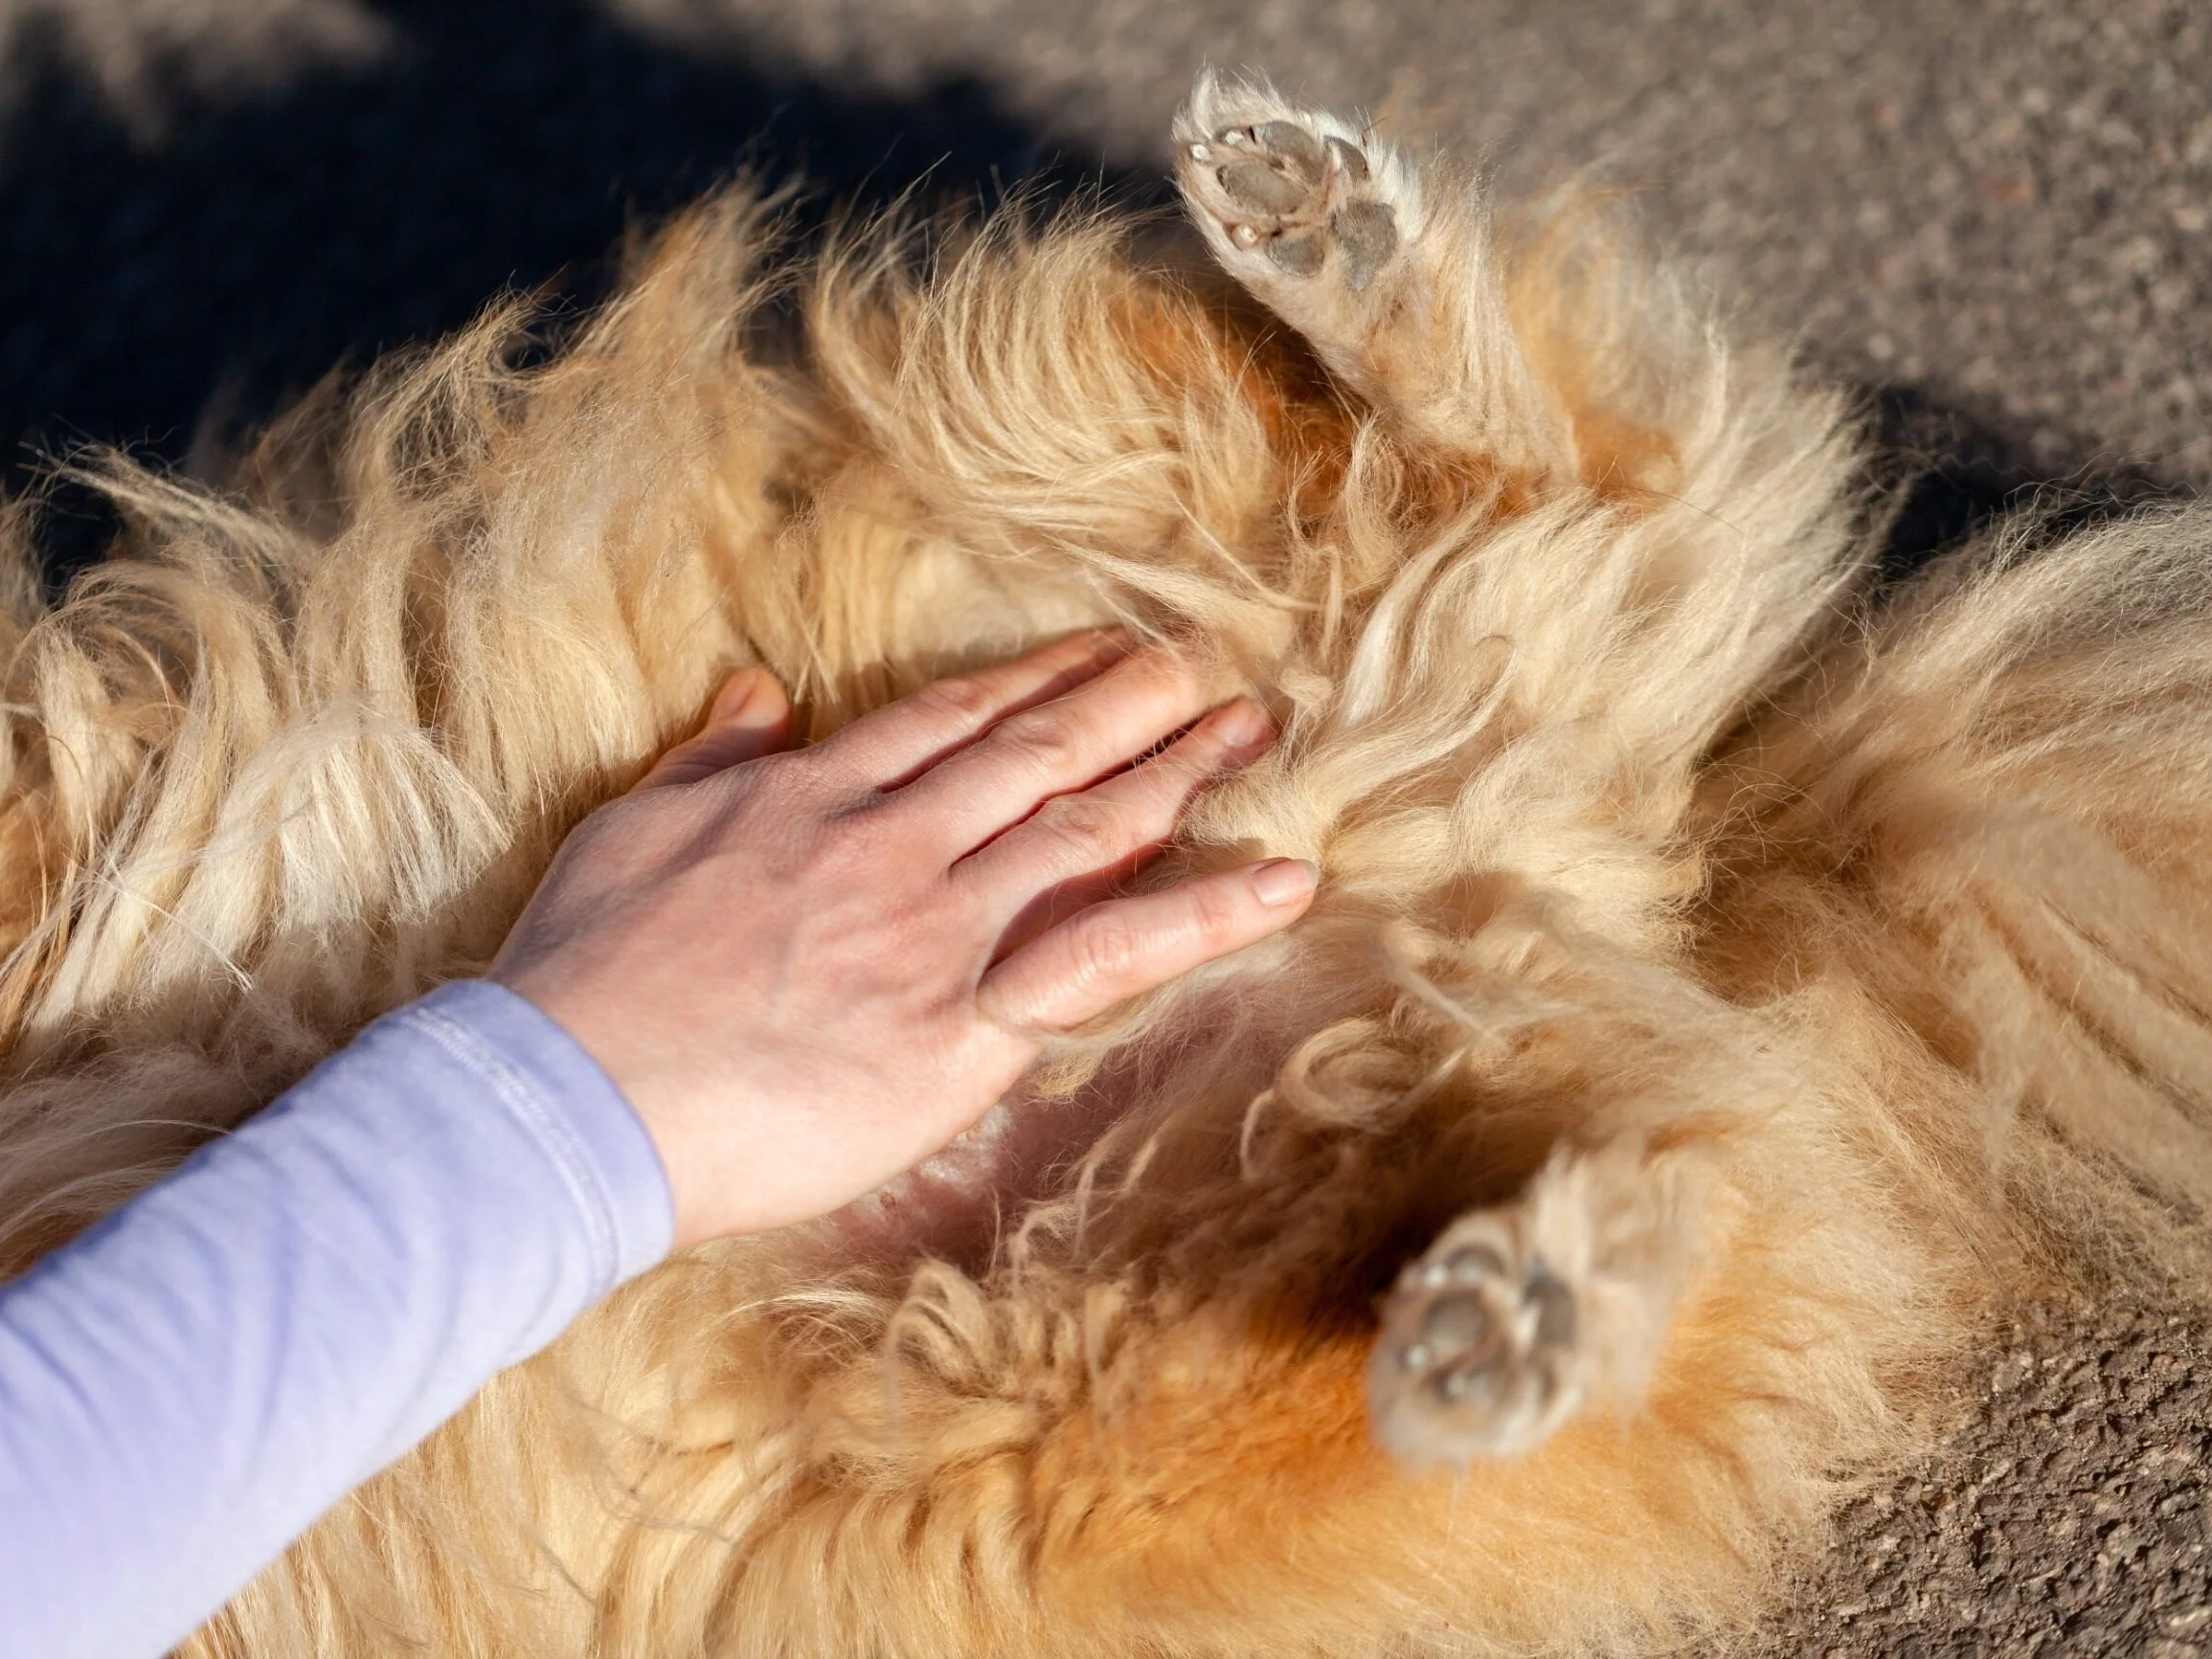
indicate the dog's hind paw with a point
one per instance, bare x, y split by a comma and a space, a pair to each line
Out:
1518, 1317
1285, 193
1480, 1354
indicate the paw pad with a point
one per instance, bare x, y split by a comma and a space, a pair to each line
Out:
1368, 232
1275, 188
1299, 256
1477, 1355
1254, 184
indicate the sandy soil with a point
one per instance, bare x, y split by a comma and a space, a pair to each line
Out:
1994, 216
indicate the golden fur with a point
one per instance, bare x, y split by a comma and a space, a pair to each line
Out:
1777, 968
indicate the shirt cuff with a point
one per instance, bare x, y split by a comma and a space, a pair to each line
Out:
543, 1078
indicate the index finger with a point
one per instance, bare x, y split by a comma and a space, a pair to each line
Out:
1067, 744
897, 742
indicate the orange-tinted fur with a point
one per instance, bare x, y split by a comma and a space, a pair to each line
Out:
1782, 968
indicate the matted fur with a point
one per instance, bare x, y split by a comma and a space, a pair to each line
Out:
1792, 968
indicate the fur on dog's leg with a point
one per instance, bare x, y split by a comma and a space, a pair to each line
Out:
1390, 278
1540, 360
1518, 1317
1978, 833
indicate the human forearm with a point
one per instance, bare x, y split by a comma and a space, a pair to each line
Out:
188, 1386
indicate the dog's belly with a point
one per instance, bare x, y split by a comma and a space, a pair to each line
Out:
962, 1204
958, 1204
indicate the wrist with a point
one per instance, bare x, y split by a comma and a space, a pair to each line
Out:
580, 1104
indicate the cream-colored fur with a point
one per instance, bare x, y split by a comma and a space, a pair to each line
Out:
1725, 979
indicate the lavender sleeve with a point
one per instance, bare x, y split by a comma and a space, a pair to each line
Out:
187, 1385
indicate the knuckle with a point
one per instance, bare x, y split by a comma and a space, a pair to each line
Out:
1106, 948
1213, 911
807, 785
1087, 827
1042, 742
966, 697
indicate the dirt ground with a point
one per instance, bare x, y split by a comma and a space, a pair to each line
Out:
2069, 1515
1991, 216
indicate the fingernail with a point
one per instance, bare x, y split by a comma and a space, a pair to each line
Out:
1284, 880
1117, 640
1243, 725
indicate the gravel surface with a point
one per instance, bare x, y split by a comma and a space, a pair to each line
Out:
1992, 216
2069, 1515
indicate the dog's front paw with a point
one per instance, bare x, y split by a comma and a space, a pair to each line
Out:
1480, 1353
1288, 192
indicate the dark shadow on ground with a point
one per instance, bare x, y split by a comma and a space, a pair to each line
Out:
1959, 474
504, 143
147, 285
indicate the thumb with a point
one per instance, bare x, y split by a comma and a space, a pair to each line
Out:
750, 717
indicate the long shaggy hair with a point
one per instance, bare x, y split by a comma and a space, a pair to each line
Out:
1725, 978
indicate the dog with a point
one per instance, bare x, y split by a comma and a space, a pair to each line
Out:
1731, 975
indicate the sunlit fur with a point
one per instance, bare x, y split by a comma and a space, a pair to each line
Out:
1861, 931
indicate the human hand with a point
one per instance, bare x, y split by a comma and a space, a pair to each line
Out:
809, 970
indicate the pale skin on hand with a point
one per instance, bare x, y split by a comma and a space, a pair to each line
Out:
809, 970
